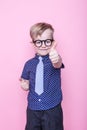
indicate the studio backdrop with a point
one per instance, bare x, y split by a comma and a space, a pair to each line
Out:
68, 17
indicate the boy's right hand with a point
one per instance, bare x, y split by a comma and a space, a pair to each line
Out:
24, 84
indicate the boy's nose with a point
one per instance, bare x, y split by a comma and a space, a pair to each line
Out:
43, 44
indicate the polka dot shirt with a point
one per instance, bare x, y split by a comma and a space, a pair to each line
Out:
52, 94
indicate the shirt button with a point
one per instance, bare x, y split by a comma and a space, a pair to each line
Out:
39, 100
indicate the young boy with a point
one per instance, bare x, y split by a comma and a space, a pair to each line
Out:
42, 77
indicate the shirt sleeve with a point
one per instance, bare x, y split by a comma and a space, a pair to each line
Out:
62, 66
25, 72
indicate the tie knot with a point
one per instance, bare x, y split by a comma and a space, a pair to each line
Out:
40, 58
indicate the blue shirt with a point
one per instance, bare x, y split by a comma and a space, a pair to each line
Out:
52, 94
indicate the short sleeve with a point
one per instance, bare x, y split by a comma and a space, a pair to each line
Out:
25, 72
62, 66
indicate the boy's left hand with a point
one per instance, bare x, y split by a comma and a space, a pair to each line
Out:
53, 54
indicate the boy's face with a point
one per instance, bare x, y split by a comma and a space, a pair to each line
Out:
43, 43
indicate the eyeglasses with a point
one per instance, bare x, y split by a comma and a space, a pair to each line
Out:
47, 42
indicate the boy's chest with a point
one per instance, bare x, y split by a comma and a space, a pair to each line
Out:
47, 68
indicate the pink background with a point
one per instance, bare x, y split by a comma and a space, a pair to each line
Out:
69, 20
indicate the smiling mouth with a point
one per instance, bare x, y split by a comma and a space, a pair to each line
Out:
44, 49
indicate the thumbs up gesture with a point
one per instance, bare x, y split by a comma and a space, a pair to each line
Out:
54, 57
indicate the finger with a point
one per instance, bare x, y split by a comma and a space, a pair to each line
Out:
54, 57
55, 61
53, 53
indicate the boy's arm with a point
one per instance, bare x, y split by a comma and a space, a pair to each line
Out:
24, 84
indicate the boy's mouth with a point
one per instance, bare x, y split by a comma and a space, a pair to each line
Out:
44, 49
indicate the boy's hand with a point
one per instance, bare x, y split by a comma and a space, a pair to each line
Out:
24, 84
54, 57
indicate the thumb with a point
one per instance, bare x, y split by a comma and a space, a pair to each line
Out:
54, 45
53, 50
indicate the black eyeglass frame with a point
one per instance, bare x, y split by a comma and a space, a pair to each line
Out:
41, 42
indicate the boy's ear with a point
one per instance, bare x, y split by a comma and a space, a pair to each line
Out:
32, 43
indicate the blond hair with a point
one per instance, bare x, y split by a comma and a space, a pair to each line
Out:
39, 28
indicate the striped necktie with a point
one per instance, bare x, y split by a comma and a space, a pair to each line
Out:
39, 77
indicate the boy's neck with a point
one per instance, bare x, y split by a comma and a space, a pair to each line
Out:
42, 55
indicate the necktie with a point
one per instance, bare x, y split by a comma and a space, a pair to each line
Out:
39, 77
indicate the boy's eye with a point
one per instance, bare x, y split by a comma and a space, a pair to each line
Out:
48, 41
38, 42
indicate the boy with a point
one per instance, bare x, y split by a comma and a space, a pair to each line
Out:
42, 77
